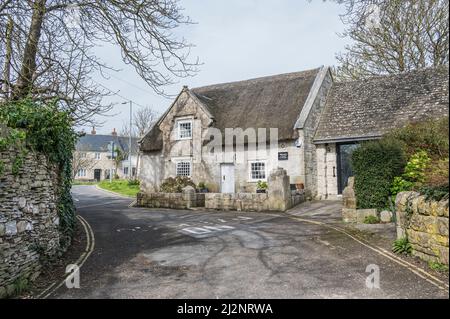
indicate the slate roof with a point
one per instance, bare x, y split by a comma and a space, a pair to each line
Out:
368, 109
268, 102
99, 143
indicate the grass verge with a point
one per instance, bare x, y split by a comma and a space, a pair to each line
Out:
120, 186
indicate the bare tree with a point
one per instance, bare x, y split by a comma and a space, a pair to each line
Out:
144, 119
47, 48
392, 36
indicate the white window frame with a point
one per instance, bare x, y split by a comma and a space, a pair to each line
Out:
183, 161
81, 172
184, 121
98, 156
250, 175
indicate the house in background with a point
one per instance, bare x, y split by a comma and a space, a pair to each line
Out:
93, 157
318, 121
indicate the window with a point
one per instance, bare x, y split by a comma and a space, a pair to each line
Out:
97, 156
184, 130
184, 168
258, 171
125, 170
81, 172
83, 155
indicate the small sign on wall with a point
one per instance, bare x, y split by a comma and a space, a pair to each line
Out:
283, 156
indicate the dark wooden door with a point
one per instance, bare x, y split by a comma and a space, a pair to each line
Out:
344, 152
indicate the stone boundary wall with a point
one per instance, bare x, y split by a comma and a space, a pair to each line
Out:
250, 202
425, 223
183, 200
278, 198
29, 223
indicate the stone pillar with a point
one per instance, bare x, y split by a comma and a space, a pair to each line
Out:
349, 214
279, 190
190, 196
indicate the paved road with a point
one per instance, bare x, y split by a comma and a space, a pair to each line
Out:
143, 253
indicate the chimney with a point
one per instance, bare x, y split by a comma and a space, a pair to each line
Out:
93, 132
114, 133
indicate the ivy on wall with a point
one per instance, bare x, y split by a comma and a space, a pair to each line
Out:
39, 127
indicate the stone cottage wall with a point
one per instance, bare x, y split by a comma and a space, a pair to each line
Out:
28, 218
425, 223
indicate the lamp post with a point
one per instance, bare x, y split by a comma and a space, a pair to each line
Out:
129, 141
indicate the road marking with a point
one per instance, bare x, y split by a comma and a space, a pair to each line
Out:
383, 252
206, 229
90, 245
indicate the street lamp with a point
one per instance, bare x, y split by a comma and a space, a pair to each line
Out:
129, 141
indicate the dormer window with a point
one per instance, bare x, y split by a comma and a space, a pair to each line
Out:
184, 129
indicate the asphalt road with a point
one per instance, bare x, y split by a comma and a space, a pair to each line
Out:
161, 253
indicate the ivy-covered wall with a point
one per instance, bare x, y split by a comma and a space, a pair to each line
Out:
29, 222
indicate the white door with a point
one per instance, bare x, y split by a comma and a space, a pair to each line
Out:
227, 178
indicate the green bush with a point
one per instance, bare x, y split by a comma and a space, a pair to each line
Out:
431, 136
46, 129
262, 185
376, 164
371, 220
402, 246
414, 174
435, 193
176, 185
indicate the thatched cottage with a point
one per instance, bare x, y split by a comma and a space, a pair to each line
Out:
316, 123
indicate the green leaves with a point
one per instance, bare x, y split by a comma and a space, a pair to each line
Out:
47, 130
376, 164
402, 246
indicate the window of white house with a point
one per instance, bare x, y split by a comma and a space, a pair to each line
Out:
184, 130
125, 170
81, 172
257, 171
183, 168
83, 155
97, 156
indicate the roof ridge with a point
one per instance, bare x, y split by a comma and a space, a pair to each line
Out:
258, 79
394, 75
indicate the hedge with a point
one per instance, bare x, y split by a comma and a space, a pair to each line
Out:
376, 164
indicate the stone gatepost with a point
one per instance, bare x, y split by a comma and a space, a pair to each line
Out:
190, 196
279, 190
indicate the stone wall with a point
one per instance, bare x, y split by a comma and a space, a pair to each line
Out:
28, 218
425, 223
187, 199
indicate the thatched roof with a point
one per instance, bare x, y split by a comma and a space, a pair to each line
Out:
368, 109
268, 102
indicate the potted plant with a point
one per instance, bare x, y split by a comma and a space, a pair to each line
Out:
261, 187
202, 188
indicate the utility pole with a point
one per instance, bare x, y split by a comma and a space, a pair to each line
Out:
130, 170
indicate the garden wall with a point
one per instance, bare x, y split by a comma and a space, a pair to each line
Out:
185, 200
29, 220
425, 223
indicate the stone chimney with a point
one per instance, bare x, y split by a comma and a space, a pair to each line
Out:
93, 132
114, 133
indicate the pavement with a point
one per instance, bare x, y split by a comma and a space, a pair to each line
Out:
304, 253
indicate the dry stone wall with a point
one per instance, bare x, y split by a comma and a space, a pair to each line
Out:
28, 218
425, 223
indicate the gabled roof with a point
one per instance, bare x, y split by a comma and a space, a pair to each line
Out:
99, 143
267, 102
368, 109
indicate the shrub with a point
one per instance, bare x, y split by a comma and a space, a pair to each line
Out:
435, 193
376, 164
414, 174
262, 185
176, 185
134, 182
438, 266
436, 174
371, 220
201, 185
402, 246
431, 135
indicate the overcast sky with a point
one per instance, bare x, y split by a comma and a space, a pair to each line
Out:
236, 40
